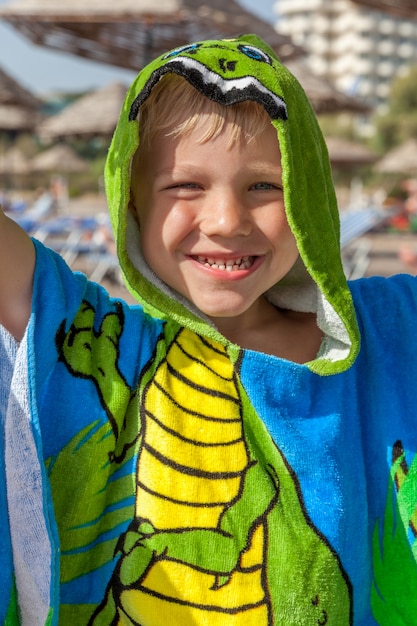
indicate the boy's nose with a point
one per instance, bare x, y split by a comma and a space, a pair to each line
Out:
226, 217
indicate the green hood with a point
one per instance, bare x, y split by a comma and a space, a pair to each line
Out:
228, 71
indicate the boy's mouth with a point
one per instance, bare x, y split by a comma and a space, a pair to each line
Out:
228, 265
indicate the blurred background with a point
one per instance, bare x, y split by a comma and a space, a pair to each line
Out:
65, 67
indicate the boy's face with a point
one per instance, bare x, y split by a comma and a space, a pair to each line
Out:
212, 220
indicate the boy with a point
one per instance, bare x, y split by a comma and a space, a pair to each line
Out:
225, 454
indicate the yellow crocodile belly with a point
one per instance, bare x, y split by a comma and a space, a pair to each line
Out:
191, 467
193, 452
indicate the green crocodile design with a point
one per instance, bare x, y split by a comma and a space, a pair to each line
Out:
218, 534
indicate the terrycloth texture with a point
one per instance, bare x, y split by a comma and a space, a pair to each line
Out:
26, 499
174, 511
231, 71
8, 351
166, 476
23, 495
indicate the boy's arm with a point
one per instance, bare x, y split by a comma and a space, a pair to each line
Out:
17, 263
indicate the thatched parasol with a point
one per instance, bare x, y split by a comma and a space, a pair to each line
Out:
129, 33
13, 161
92, 115
400, 8
12, 93
345, 154
19, 108
96, 113
16, 118
400, 160
58, 159
324, 97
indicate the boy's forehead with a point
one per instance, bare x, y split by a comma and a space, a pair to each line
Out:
226, 71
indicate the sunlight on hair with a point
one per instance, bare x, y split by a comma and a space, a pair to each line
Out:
163, 112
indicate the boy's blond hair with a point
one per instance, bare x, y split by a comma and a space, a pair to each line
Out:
163, 112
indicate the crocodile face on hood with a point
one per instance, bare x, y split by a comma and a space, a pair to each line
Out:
230, 71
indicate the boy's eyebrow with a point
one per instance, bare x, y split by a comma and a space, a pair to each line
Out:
265, 168
261, 171
191, 170
178, 170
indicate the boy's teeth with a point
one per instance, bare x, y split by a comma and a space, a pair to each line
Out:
226, 264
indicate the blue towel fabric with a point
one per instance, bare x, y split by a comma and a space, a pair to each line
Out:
348, 439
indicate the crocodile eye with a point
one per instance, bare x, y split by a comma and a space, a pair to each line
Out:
191, 48
255, 53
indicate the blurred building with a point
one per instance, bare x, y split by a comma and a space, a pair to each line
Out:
361, 50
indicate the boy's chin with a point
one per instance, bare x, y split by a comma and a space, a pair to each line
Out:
237, 312
228, 310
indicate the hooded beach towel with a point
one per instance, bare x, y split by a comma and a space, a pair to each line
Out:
157, 474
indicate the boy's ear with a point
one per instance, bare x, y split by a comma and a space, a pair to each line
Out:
131, 207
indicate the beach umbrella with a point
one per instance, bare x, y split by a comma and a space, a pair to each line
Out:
19, 108
400, 8
13, 93
400, 160
19, 112
92, 115
346, 154
14, 118
81, 119
59, 159
14, 162
323, 95
129, 33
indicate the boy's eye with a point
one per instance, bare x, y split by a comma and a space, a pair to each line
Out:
187, 185
263, 186
184, 186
